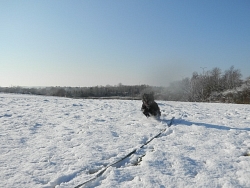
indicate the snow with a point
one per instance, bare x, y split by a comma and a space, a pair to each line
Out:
60, 142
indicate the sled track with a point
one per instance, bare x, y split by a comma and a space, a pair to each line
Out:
126, 156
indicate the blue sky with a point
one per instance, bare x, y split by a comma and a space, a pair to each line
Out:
101, 42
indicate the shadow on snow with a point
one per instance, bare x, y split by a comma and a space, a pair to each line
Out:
207, 125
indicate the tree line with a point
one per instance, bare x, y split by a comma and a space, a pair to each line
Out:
118, 91
209, 86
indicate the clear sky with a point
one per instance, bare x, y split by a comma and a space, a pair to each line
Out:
101, 42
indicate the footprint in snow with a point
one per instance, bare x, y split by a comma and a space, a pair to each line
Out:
6, 115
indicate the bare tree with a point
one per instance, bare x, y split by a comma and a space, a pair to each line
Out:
232, 78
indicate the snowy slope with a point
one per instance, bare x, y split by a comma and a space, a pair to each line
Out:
59, 142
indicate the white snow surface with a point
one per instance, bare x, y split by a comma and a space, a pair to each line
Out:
61, 142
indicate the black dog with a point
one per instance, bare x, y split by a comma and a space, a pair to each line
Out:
149, 106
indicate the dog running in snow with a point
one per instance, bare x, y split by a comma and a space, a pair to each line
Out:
149, 106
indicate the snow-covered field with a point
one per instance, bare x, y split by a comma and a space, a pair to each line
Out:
61, 142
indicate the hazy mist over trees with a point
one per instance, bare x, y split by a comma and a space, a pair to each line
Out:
209, 86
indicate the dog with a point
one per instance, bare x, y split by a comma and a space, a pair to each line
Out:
149, 106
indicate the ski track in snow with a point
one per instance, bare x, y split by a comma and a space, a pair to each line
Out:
60, 142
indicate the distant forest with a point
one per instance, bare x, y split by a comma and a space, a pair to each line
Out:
209, 86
